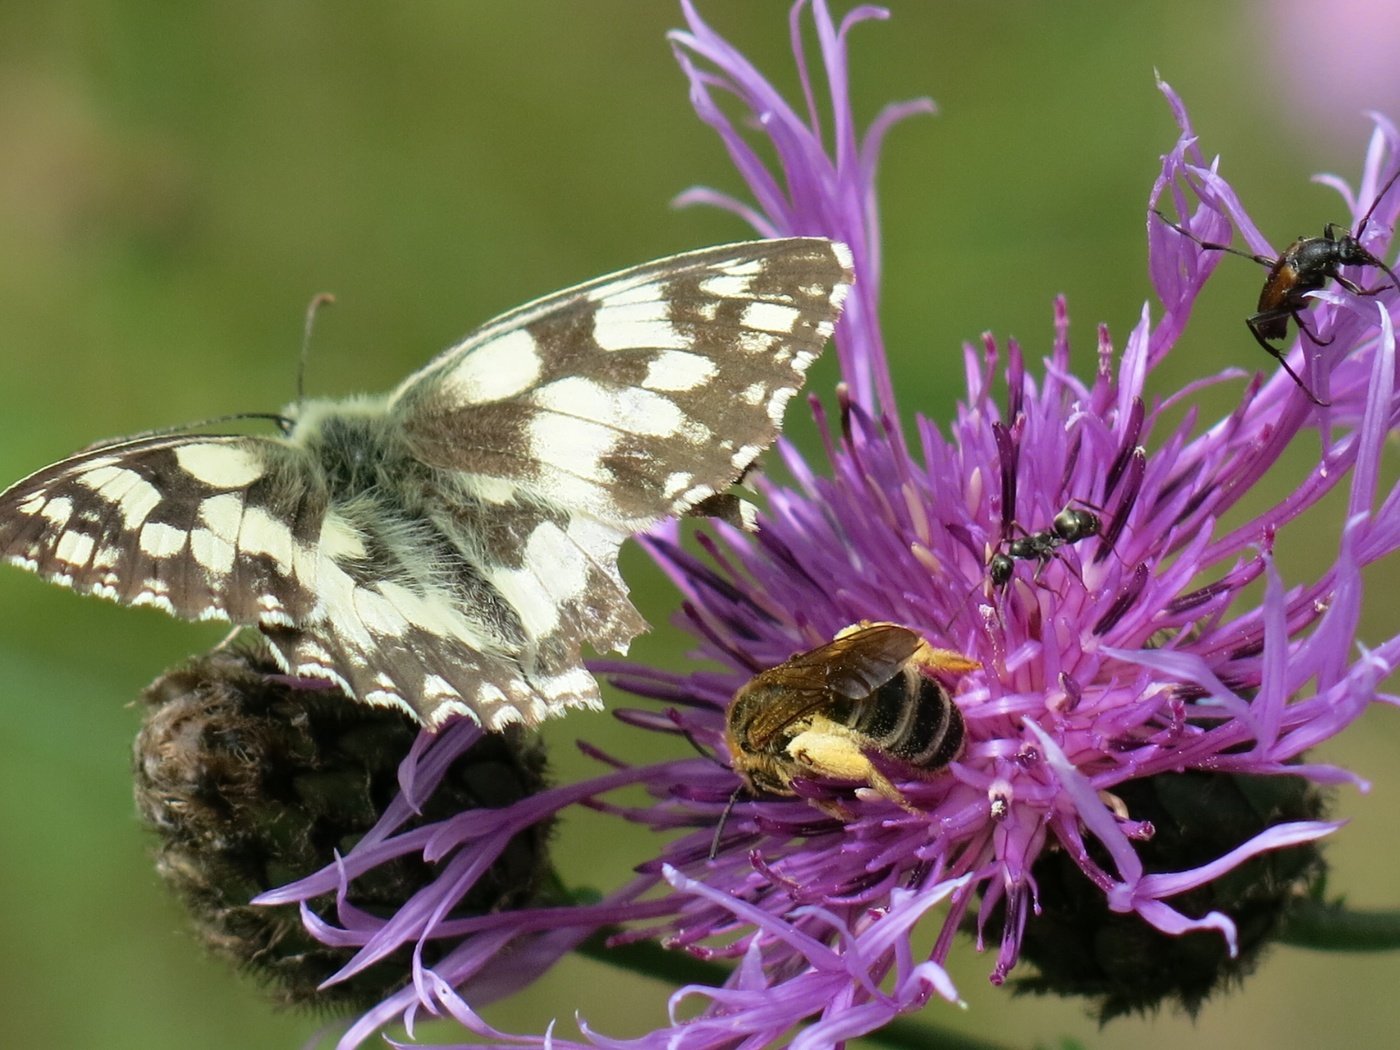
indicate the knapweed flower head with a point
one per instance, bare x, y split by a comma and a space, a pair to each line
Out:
1134, 656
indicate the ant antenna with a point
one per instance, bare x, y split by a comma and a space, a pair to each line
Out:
318, 300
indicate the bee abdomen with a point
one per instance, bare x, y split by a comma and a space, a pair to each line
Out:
912, 718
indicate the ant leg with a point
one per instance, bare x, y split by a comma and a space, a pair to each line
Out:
1040, 564
1254, 322
1212, 246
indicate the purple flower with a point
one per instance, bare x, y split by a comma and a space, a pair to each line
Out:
1157, 643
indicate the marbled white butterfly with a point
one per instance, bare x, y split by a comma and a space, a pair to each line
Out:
447, 548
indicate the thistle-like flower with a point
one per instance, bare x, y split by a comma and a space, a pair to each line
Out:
1140, 669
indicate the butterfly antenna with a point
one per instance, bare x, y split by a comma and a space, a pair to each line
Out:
318, 300
283, 423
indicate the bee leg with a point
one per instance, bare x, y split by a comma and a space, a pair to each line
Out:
830, 752
833, 752
944, 661
890, 790
1267, 318
833, 809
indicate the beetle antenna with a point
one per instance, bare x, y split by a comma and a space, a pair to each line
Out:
1211, 246
1361, 228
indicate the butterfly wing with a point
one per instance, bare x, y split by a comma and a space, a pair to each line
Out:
202, 526
593, 414
450, 553
635, 396
243, 528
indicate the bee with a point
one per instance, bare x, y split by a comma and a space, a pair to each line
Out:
1069, 526
862, 708
1304, 266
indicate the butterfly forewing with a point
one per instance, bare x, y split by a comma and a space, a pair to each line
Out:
636, 396
450, 548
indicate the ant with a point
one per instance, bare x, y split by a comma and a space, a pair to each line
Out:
1304, 266
1069, 526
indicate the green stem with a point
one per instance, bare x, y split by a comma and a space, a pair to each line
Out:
677, 968
1336, 928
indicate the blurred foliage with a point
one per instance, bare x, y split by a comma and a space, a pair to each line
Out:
177, 181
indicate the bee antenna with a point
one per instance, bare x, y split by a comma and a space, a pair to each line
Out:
709, 755
318, 300
723, 819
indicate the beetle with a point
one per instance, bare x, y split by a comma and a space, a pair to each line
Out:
1304, 266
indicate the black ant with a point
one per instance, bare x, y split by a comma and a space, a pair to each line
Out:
1069, 526
1304, 266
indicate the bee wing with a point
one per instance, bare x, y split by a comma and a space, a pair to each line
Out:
850, 667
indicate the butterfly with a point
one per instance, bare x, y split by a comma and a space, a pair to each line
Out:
448, 548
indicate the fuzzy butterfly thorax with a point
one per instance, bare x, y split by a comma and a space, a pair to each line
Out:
451, 547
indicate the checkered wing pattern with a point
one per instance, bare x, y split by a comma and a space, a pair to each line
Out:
451, 547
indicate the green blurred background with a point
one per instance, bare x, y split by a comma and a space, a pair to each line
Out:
176, 181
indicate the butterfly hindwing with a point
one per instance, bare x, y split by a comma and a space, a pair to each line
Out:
202, 526
451, 548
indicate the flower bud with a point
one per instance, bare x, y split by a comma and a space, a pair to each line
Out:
252, 780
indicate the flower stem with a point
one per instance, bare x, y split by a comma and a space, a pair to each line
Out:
651, 960
1333, 927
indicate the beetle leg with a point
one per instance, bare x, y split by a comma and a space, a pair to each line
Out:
1254, 322
1311, 334
1356, 289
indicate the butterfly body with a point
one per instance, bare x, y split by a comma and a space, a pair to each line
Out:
450, 547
